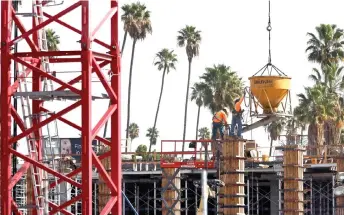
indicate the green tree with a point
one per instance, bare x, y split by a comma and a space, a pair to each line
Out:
274, 129
153, 135
137, 28
165, 61
204, 133
327, 46
332, 78
190, 38
53, 40
197, 95
141, 150
129, 19
316, 106
223, 86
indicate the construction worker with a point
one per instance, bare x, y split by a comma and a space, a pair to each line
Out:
219, 123
237, 116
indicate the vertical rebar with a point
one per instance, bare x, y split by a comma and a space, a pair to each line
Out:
148, 200
333, 198
137, 194
186, 197
279, 195
248, 195
257, 194
123, 202
196, 198
311, 188
155, 198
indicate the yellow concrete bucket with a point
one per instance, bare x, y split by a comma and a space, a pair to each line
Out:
269, 91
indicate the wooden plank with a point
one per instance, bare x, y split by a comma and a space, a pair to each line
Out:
232, 197
293, 180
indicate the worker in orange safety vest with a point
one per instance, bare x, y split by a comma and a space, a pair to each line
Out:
220, 122
237, 116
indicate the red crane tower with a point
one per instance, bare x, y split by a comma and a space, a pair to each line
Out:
91, 61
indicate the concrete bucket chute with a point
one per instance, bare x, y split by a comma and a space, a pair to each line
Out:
269, 91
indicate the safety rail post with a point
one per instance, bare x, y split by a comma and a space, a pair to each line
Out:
293, 180
232, 173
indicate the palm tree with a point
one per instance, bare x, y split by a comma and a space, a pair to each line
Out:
129, 20
134, 132
332, 79
223, 86
204, 133
191, 38
315, 107
331, 76
137, 28
275, 129
197, 94
153, 135
53, 40
166, 61
327, 46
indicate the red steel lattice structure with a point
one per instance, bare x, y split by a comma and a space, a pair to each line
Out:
91, 61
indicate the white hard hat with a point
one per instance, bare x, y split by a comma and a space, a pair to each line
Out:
226, 109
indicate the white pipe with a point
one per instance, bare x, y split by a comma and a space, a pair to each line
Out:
205, 192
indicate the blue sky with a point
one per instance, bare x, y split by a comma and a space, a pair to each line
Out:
233, 33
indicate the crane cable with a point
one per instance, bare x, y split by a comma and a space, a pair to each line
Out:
269, 28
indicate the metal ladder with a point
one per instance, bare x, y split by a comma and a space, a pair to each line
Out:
40, 178
51, 142
42, 42
40, 201
21, 194
50, 136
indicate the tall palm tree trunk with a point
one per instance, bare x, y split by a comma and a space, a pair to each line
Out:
312, 138
129, 93
271, 144
157, 109
124, 40
198, 113
186, 104
320, 136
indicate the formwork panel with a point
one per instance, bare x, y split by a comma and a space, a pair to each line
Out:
232, 195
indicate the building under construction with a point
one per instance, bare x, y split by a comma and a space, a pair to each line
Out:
291, 182
55, 176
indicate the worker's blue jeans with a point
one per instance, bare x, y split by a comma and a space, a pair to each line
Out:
220, 127
236, 120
